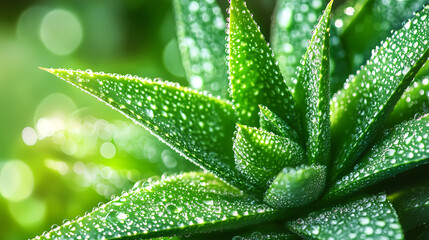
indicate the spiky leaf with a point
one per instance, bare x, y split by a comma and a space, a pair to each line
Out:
359, 110
181, 204
260, 155
271, 122
294, 187
402, 148
198, 126
201, 35
291, 29
412, 206
312, 92
415, 100
254, 74
366, 218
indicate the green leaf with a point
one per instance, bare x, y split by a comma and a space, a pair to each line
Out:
294, 187
415, 100
312, 92
367, 218
261, 155
367, 22
402, 148
176, 205
198, 126
271, 122
254, 73
291, 29
268, 236
412, 206
359, 110
201, 33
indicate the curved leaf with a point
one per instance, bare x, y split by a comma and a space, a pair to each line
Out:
198, 126
359, 110
254, 73
294, 187
367, 22
402, 148
176, 205
415, 100
312, 92
412, 206
367, 218
291, 29
260, 155
270, 122
201, 33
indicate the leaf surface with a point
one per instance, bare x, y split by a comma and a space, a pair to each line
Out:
364, 23
402, 148
415, 100
366, 218
312, 92
198, 126
255, 76
268, 236
294, 187
412, 206
261, 155
271, 122
291, 29
359, 110
201, 34
176, 205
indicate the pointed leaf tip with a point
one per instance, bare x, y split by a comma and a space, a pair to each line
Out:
255, 76
312, 92
197, 125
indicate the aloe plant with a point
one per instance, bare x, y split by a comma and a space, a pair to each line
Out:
282, 159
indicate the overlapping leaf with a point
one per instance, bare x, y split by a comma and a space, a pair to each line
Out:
367, 218
402, 148
359, 110
255, 76
176, 205
412, 206
270, 122
364, 23
261, 155
201, 35
294, 187
312, 92
198, 126
415, 100
291, 29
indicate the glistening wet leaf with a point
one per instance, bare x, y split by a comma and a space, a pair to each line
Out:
191, 202
359, 110
366, 218
201, 35
312, 92
255, 76
402, 148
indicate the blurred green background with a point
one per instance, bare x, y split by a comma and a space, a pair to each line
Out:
61, 151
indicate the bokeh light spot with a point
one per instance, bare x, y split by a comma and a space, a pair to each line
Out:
29, 136
107, 150
16, 180
61, 31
